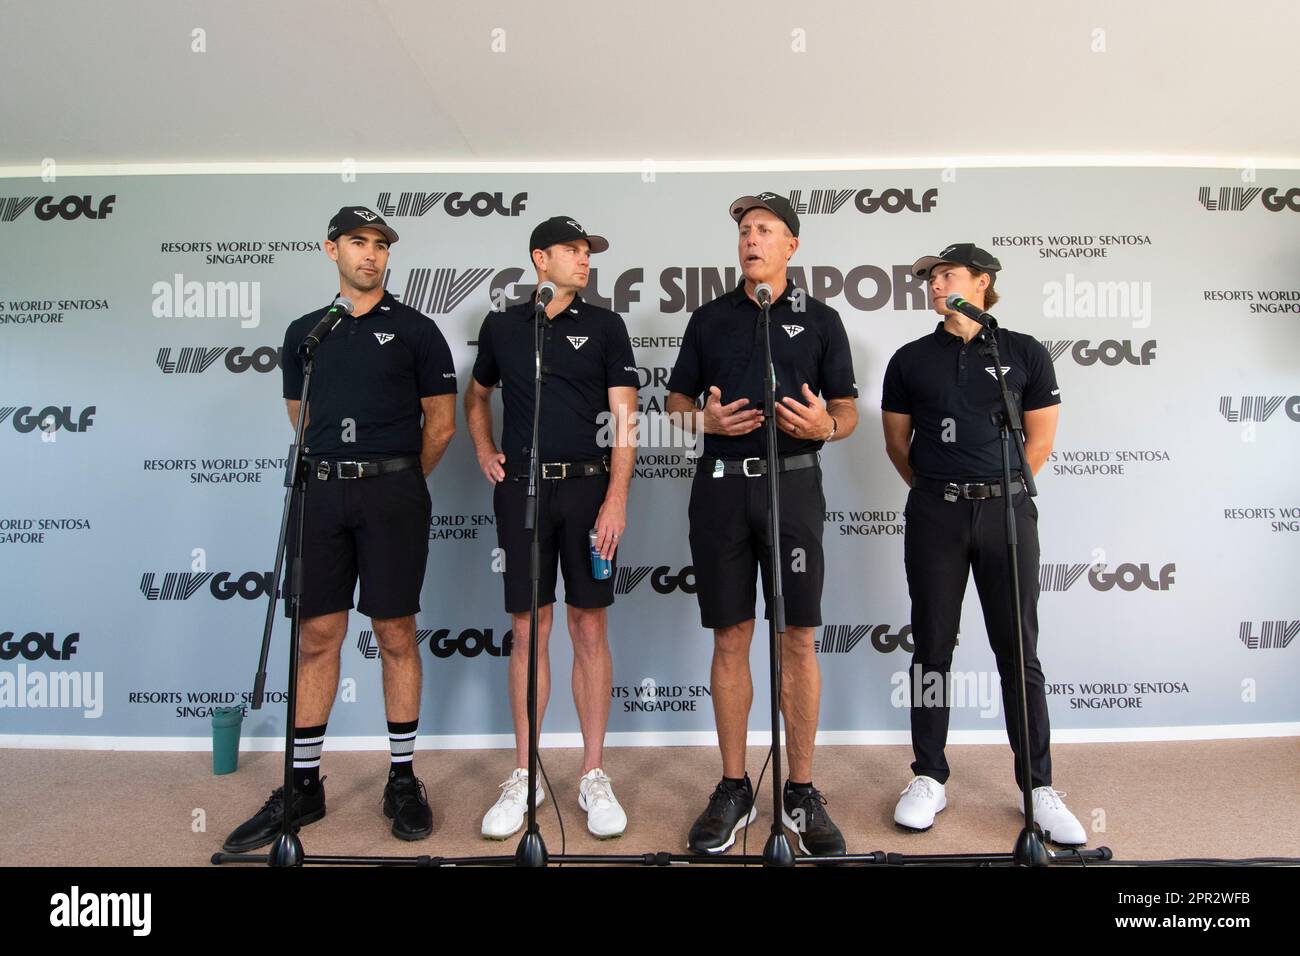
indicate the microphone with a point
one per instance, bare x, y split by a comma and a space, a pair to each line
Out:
545, 293
763, 292
342, 306
973, 312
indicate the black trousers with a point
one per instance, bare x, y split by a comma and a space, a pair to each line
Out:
943, 543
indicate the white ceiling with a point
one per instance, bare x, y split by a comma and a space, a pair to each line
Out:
406, 81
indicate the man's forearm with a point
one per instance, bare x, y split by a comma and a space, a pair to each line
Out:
1037, 453
898, 457
622, 461
845, 413
432, 446
685, 412
478, 419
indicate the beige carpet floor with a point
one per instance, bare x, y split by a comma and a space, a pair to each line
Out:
1238, 798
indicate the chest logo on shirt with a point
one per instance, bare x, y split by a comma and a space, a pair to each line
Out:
994, 372
792, 330
384, 337
577, 341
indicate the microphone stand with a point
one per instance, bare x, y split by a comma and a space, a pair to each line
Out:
532, 849
1029, 849
777, 851
286, 850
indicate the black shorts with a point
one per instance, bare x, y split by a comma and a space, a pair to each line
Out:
730, 541
566, 511
375, 527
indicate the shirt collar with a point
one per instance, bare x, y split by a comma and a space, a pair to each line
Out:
574, 311
738, 296
385, 304
944, 336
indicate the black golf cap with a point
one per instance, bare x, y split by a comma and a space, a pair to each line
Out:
963, 254
771, 202
563, 229
358, 217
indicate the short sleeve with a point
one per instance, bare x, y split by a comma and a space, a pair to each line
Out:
435, 372
620, 363
1041, 390
894, 394
837, 378
486, 372
291, 364
687, 374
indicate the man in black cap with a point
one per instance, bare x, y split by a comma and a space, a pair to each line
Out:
722, 359
381, 412
589, 385
941, 434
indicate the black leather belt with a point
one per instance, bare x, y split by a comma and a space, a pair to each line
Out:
952, 490
753, 467
559, 470
325, 470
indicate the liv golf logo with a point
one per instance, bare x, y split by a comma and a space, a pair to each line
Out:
1127, 577
67, 208
455, 204
439, 291
866, 201
842, 638
198, 359
1237, 198
1270, 635
224, 585
1258, 408
49, 419
661, 579
1110, 352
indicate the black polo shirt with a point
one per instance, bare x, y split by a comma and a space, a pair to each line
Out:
585, 352
950, 389
372, 369
723, 346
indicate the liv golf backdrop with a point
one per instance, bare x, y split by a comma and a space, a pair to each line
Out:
143, 436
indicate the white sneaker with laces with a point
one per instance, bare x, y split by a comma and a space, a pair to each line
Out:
1058, 823
605, 818
507, 814
922, 799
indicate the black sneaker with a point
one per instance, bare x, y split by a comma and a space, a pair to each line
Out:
406, 805
729, 810
804, 812
265, 825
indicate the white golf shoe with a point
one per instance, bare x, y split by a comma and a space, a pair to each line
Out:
507, 814
922, 799
1058, 823
605, 818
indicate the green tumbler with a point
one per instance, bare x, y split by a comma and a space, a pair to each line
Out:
225, 738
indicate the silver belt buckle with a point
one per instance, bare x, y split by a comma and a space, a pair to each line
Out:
744, 468
342, 469
323, 470
562, 465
